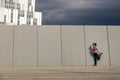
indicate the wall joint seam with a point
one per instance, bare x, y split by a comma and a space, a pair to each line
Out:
37, 47
61, 45
108, 45
13, 53
85, 45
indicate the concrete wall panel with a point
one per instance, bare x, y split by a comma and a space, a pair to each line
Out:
6, 45
97, 34
114, 42
49, 46
25, 46
73, 49
28, 46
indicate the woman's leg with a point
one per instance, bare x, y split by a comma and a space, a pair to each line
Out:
95, 59
99, 56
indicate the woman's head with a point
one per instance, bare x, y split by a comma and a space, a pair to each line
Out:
94, 44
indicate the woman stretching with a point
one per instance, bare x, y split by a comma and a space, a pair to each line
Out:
95, 54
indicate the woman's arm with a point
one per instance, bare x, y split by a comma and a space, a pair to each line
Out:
98, 51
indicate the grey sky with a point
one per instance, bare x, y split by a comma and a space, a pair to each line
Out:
79, 12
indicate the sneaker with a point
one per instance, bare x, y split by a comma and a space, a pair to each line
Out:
101, 53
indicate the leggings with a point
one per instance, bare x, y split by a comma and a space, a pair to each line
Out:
95, 58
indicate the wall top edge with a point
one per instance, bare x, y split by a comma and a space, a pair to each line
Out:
59, 25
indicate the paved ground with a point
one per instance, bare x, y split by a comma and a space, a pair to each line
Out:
61, 73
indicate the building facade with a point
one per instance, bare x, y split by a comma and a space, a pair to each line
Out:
19, 12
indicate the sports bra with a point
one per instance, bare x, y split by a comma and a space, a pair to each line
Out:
94, 50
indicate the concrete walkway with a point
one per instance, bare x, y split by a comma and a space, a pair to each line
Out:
61, 73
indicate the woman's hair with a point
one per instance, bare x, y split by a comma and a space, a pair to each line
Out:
94, 44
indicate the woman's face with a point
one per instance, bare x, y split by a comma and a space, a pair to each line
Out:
94, 45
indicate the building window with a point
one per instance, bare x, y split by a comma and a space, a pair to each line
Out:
21, 13
29, 2
13, 6
9, 5
31, 8
28, 21
4, 18
18, 22
18, 6
11, 1
6, 0
34, 21
30, 14
11, 16
18, 19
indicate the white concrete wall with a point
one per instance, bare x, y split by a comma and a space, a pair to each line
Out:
49, 46
25, 46
97, 34
36, 46
73, 47
114, 44
6, 45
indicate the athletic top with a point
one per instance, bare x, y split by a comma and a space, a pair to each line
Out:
94, 50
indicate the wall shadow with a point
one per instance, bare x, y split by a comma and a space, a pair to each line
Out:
90, 51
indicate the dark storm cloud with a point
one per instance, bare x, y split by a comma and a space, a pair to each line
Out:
104, 12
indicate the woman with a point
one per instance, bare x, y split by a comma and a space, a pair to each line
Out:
95, 53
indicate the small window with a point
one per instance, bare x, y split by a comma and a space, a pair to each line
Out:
18, 22
18, 6
34, 21
11, 16
5, 18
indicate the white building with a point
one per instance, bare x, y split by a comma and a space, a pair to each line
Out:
19, 12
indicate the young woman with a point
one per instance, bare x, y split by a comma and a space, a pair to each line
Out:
95, 53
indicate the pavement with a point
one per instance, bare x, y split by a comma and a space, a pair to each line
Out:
61, 73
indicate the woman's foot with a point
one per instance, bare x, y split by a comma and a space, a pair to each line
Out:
99, 56
101, 53
94, 65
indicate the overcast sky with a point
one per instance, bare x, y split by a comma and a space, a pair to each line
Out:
79, 12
